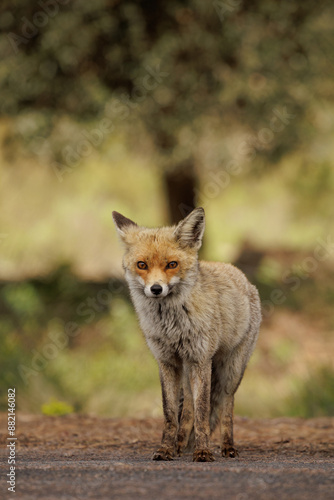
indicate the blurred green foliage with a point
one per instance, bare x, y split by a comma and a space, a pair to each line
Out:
314, 396
298, 281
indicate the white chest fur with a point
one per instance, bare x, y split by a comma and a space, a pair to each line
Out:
170, 331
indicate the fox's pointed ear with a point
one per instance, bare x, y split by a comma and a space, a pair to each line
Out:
122, 224
189, 232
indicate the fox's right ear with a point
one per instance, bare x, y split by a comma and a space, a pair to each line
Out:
122, 224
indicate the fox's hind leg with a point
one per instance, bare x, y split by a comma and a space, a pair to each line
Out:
222, 402
231, 373
226, 427
227, 373
231, 376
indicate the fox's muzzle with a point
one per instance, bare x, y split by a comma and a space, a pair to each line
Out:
156, 290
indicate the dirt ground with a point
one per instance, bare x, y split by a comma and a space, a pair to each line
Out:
79, 457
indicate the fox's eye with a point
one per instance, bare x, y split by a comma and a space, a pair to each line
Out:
141, 265
172, 265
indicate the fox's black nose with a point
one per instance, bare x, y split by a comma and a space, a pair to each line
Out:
156, 289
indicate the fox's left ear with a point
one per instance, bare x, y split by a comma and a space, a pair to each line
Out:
122, 224
189, 232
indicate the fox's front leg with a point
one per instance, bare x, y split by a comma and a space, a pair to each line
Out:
170, 385
187, 417
200, 381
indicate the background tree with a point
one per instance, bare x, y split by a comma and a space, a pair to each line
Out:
184, 68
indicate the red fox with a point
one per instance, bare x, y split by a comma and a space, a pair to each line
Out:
201, 321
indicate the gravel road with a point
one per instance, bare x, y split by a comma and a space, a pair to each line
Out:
79, 457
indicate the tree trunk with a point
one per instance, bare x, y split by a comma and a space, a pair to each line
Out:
180, 185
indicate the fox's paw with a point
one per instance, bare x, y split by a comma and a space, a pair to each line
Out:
203, 456
163, 454
230, 452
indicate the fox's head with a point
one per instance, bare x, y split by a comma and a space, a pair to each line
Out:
162, 261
